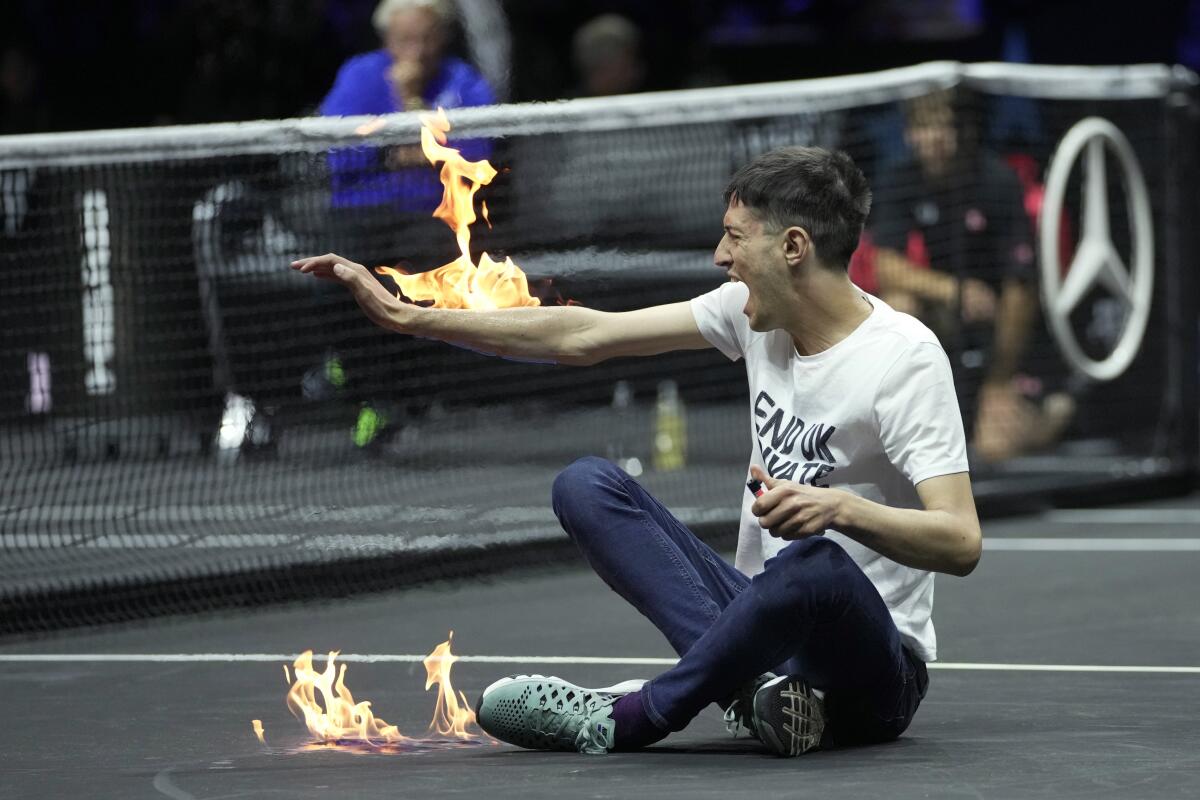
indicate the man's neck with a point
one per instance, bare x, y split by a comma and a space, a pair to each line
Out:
828, 309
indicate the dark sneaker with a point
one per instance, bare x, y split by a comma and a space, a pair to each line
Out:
740, 714
788, 716
325, 381
547, 713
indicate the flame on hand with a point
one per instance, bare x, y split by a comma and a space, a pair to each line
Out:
461, 283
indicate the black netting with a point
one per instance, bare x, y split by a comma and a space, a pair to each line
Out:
186, 423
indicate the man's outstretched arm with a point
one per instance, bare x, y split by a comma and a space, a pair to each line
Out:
561, 334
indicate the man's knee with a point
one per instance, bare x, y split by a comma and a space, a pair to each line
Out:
807, 571
579, 482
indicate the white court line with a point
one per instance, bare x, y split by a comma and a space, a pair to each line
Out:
1124, 516
1063, 544
383, 658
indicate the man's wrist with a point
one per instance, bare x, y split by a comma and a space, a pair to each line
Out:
844, 512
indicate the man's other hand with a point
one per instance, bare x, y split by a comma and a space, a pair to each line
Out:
790, 510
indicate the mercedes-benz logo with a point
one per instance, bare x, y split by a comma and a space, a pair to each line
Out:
1096, 260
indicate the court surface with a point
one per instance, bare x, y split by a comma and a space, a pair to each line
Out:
1070, 668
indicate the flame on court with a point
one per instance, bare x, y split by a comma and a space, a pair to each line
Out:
335, 720
335, 716
451, 714
461, 283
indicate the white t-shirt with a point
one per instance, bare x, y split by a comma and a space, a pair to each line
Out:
875, 414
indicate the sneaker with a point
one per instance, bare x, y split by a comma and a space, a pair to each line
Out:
739, 716
547, 713
325, 381
788, 715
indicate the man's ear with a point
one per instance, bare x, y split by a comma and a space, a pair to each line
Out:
797, 245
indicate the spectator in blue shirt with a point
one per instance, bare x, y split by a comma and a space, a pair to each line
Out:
411, 72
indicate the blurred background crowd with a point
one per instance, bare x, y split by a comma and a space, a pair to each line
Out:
961, 260
67, 65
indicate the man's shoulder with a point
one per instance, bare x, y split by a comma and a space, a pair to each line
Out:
902, 330
468, 81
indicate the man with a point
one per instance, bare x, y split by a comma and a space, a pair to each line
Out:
963, 262
607, 52
859, 447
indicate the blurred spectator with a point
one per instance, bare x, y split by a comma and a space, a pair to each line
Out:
953, 246
607, 52
412, 71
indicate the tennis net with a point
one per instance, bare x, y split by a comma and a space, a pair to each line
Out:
187, 424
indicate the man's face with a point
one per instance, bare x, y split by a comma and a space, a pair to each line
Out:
417, 36
934, 140
750, 254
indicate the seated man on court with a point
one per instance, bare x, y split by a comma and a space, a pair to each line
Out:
819, 633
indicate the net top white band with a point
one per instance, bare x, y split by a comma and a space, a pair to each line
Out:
722, 104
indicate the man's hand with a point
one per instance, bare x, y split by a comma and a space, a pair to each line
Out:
978, 301
331, 267
379, 305
791, 510
407, 78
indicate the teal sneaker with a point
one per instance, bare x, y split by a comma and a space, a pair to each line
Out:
787, 715
547, 713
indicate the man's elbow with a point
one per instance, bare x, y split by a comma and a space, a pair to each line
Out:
580, 350
968, 554
578, 357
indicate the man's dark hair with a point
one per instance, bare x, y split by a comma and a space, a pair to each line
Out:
822, 191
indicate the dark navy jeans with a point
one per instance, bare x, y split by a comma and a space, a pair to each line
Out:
810, 612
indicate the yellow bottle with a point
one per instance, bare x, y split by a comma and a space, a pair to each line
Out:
670, 429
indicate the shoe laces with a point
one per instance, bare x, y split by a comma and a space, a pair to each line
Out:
591, 739
740, 714
733, 719
591, 716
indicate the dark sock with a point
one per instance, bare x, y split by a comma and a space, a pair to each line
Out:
634, 729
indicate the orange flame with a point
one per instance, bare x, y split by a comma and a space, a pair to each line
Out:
341, 719
336, 721
461, 283
451, 714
